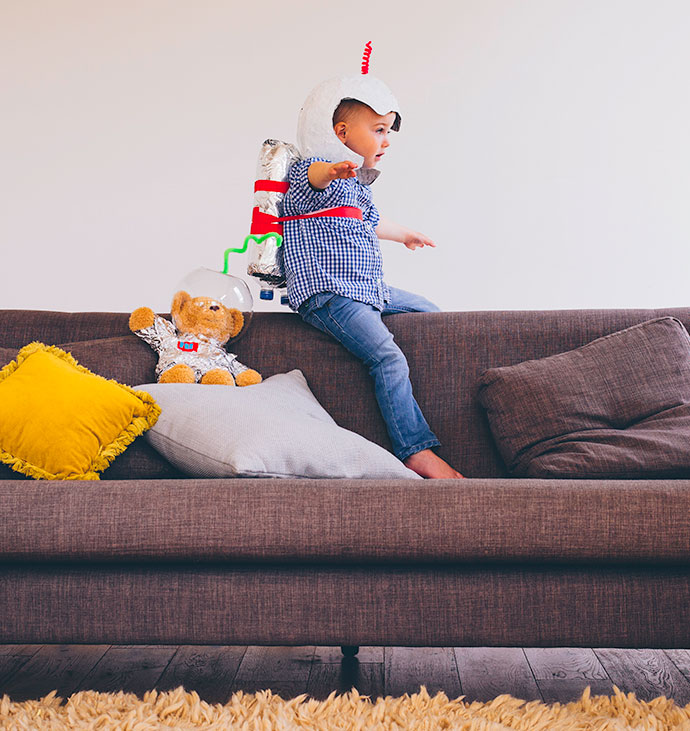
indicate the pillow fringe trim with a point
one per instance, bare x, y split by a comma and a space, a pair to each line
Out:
136, 428
30, 470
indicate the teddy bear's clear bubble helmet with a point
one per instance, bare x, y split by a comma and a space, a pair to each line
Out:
226, 289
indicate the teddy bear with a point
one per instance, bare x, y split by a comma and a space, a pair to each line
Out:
191, 350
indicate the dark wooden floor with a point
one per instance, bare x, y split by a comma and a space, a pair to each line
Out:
215, 672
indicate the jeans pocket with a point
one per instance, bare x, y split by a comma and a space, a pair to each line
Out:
315, 302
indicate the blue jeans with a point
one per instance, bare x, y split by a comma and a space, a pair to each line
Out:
360, 328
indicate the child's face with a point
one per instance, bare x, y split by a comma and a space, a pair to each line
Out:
366, 133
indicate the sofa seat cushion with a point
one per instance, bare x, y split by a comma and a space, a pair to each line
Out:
238, 520
618, 407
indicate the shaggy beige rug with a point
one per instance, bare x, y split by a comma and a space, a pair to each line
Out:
264, 711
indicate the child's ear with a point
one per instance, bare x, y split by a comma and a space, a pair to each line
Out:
340, 130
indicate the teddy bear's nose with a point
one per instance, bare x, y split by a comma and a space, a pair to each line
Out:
214, 307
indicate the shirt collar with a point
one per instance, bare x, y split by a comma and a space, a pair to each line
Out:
367, 176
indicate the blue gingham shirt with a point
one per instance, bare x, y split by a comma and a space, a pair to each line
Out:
331, 254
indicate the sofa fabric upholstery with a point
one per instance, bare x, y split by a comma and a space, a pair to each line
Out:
148, 555
370, 522
523, 606
447, 353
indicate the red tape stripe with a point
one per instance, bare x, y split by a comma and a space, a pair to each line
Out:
340, 212
272, 186
263, 223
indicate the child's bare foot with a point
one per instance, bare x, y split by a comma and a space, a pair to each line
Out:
428, 464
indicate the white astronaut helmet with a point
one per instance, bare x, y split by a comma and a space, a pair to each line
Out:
315, 135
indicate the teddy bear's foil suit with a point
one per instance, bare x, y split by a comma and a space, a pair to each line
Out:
199, 352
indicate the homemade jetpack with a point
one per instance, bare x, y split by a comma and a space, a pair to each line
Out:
315, 138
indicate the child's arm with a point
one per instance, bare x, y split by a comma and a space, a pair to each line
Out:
322, 174
395, 232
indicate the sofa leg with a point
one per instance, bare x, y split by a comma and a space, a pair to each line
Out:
349, 650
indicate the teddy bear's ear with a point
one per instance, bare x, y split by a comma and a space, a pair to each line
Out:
179, 301
235, 321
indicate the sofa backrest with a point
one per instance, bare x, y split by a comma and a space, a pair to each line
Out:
446, 351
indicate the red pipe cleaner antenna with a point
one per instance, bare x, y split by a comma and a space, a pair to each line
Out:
365, 58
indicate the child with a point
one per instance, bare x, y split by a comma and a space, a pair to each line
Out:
333, 263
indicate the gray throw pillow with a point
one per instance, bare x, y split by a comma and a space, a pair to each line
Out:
616, 407
276, 428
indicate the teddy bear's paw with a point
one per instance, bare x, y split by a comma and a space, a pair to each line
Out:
218, 377
141, 318
248, 378
179, 373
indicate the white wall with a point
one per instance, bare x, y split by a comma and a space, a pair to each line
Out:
544, 146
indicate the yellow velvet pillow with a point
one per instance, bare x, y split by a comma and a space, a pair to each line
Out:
59, 421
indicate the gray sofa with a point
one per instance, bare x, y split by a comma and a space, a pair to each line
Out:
148, 555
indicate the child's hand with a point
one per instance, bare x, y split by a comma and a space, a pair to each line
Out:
322, 174
345, 169
395, 232
414, 240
